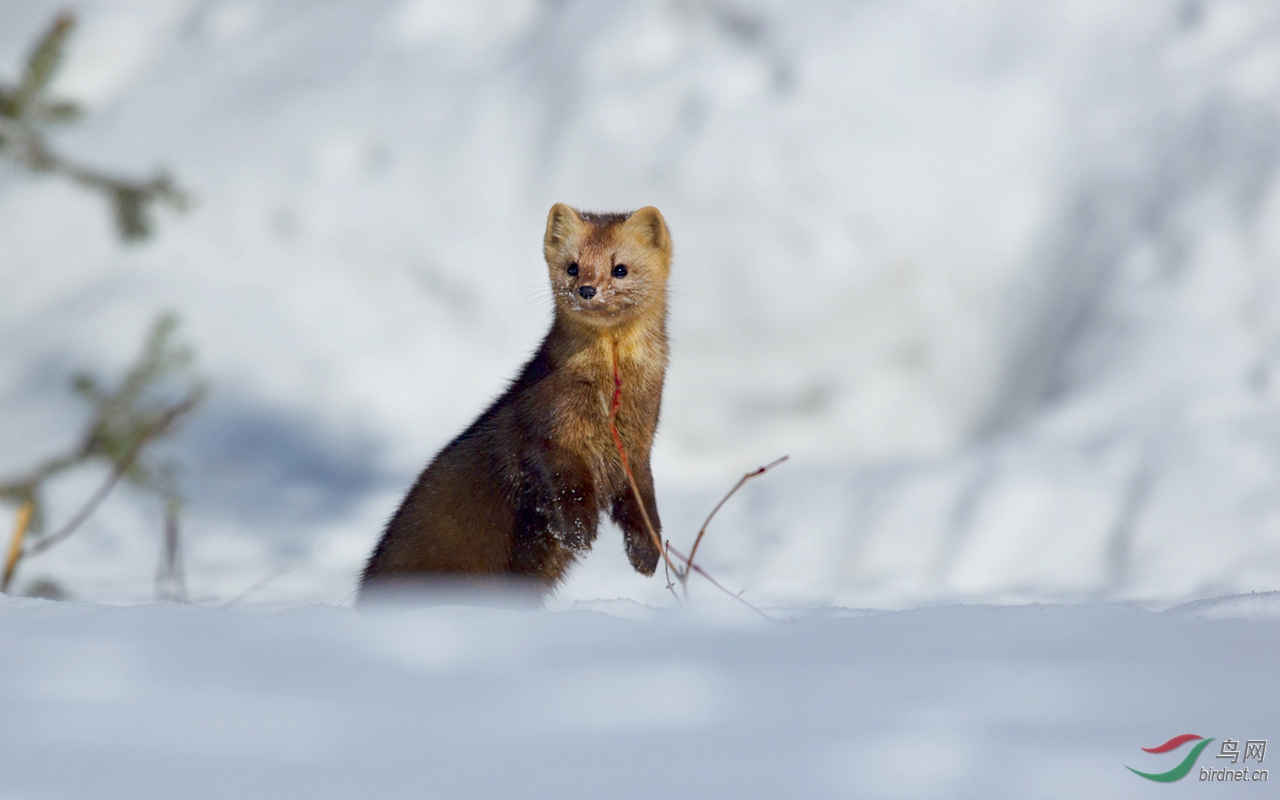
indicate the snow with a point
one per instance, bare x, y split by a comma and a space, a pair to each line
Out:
620, 700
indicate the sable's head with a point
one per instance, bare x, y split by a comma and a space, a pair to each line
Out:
607, 268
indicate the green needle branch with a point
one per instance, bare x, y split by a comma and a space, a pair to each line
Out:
28, 113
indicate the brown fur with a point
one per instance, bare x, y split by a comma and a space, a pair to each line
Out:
520, 492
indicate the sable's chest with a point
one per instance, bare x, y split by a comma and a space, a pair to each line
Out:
588, 393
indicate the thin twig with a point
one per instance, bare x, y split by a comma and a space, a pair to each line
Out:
20, 526
261, 582
122, 466
671, 587
684, 579
682, 575
718, 585
171, 582
44, 471
626, 465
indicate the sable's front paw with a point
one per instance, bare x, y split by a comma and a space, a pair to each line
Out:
576, 536
643, 555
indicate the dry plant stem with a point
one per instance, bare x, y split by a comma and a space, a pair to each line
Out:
684, 578
689, 565
122, 466
171, 583
261, 582
20, 526
671, 585
682, 575
626, 465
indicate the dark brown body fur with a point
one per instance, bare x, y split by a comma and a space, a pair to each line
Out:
520, 492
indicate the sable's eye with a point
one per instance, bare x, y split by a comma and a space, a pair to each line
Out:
620, 271
573, 268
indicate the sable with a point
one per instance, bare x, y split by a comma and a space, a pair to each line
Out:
520, 492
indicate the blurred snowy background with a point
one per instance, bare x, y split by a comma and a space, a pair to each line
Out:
1003, 278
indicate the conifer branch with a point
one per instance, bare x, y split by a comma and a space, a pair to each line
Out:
120, 428
26, 114
122, 467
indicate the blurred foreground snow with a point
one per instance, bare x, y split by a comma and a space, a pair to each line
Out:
616, 700
1001, 277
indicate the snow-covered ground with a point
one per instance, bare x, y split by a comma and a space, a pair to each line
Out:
615, 700
1001, 277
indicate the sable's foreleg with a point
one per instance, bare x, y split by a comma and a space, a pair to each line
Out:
576, 509
557, 512
641, 549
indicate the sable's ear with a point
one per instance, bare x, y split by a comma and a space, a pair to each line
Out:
648, 225
561, 222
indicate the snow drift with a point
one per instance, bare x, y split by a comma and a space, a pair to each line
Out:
618, 700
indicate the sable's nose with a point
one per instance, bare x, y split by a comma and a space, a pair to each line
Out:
587, 292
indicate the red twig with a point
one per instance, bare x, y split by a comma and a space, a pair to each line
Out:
684, 579
626, 465
682, 575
